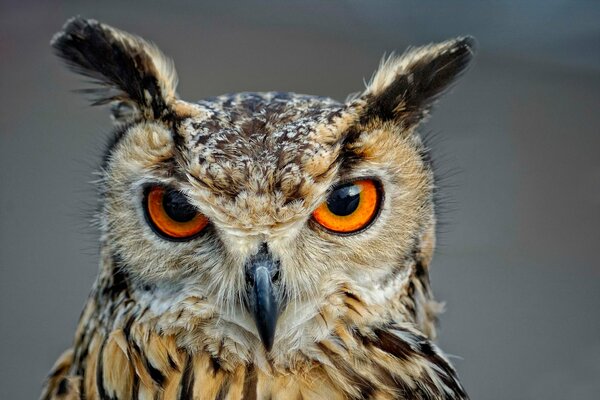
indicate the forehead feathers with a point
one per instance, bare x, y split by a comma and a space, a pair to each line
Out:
276, 144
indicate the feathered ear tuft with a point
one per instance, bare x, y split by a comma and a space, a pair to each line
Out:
404, 88
132, 73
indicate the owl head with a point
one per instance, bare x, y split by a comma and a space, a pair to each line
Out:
253, 224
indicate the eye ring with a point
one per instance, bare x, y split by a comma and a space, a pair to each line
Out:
351, 207
170, 215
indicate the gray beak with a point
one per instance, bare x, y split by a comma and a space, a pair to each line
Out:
262, 274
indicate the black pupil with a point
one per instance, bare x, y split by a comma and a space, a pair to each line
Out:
344, 200
177, 207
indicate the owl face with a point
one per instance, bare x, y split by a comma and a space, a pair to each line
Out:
259, 214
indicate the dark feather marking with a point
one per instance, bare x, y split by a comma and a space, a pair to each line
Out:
426, 349
410, 302
79, 361
393, 345
119, 284
187, 380
81, 354
351, 307
100, 374
250, 384
135, 386
224, 390
63, 387
81, 386
216, 365
347, 156
352, 296
172, 363
178, 140
127, 327
157, 376
420, 270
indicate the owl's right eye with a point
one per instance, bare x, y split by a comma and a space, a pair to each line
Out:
171, 215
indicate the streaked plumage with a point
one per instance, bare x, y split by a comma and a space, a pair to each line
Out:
354, 317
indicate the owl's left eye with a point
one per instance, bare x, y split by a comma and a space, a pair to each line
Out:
170, 214
350, 207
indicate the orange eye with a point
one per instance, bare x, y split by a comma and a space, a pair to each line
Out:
170, 214
350, 207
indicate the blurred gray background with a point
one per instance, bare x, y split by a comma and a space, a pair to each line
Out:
517, 139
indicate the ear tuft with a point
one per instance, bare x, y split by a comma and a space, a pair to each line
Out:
404, 88
129, 70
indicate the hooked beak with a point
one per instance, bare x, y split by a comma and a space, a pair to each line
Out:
262, 274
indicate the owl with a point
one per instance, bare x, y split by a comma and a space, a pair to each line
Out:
259, 245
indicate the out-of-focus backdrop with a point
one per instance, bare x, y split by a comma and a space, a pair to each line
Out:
518, 139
